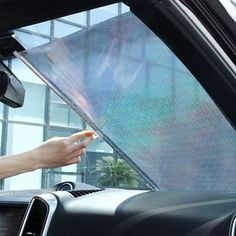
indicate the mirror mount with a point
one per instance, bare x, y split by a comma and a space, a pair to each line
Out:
9, 44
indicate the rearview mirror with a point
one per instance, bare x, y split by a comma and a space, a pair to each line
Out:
12, 92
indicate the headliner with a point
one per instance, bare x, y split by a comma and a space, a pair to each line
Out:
18, 13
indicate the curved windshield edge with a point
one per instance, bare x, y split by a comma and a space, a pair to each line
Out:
230, 7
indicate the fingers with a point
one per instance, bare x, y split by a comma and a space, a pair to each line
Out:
77, 136
78, 152
74, 160
76, 147
64, 150
72, 147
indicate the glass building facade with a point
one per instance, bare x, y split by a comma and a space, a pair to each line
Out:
44, 114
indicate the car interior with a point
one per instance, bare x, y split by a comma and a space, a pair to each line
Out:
156, 83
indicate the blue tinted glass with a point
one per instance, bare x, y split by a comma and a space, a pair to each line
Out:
33, 109
125, 8
24, 73
1, 136
62, 29
103, 13
59, 115
135, 91
79, 18
1, 110
30, 40
42, 28
63, 115
55, 98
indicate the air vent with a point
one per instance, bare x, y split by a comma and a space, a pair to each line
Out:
36, 218
39, 215
79, 193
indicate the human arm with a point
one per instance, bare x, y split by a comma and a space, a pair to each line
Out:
55, 152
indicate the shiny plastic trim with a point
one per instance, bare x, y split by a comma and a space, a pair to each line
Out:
51, 203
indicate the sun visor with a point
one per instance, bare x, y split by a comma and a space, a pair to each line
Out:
127, 84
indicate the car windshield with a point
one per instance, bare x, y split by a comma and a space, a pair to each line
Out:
45, 115
130, 87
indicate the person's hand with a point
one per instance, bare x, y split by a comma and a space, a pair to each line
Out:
61, 151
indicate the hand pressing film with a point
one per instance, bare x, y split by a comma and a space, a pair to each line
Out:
55, 152
89, 139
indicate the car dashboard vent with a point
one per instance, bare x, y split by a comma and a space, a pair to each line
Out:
39, 215
79, 193
36, 218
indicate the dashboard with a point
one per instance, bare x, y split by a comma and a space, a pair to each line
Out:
86, 210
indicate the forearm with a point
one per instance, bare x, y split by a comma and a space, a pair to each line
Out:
54, 152
16, 164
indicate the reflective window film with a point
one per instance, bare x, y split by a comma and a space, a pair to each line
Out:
129, 86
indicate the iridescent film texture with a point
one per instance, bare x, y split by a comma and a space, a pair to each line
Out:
124, 80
